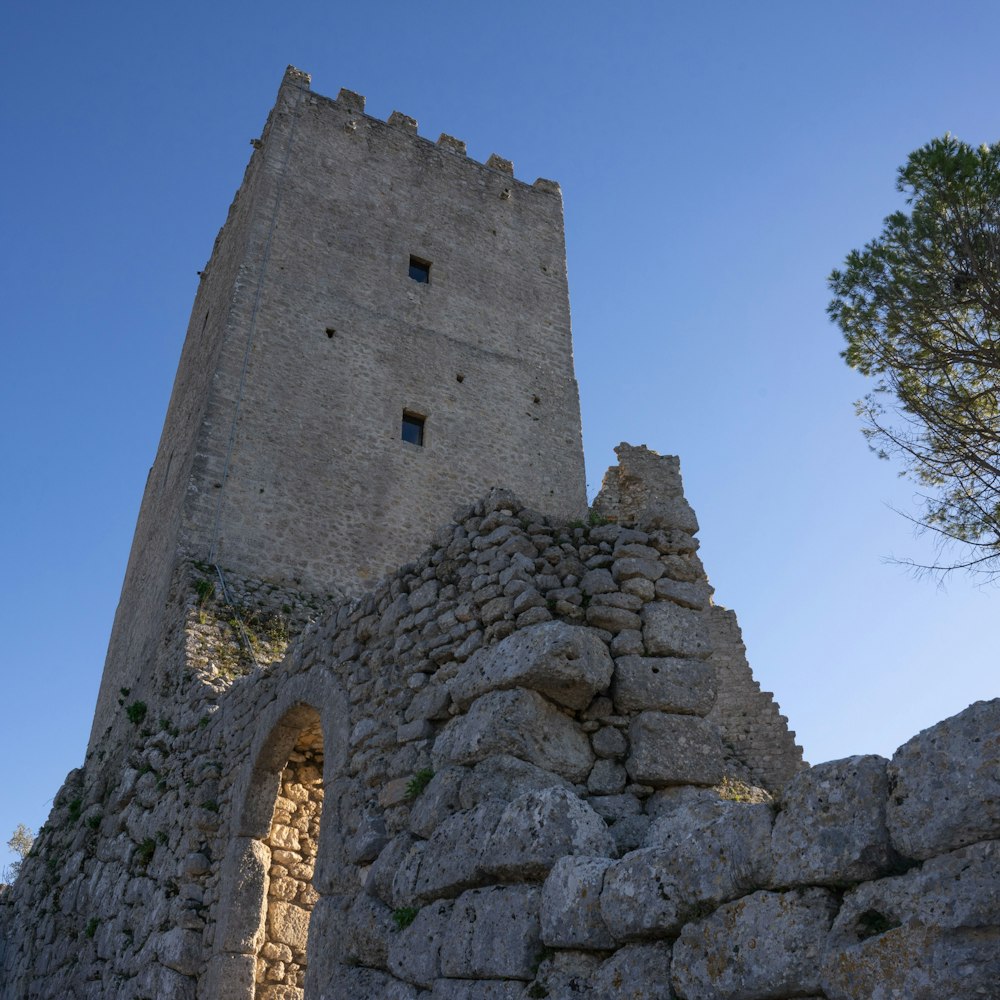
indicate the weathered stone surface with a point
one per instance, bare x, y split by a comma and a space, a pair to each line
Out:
571, 904
607, 778
350, 982
504, 778
493, 933
566, 663
687, 594
454, 858
246, 871
766, 945
288, 923
437, 801
670, 630
931, 933
181, 950
674, 750
945, 784
563, 975
667, 683
653, 891
483, 989
384, 869
365, 931
537, 829
609, 742
831, 828
636, 972
415, 951
521, 723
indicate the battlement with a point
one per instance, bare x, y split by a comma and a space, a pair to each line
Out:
354, 103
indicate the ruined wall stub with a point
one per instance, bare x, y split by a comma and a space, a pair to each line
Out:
308, 341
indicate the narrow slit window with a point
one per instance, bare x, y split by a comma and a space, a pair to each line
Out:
413, 428
420, 270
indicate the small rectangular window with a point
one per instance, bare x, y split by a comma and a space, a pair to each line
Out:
420, 270
413, 428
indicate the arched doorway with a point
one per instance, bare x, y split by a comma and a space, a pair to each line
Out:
292, 842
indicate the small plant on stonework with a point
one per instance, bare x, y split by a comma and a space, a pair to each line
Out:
735, 790
595, 519
74, 810
205, 590
145, 851
419, 782
136, 712
161, 837
576, 524
123, 693
91, 929
94, 821
211, 805
404, 916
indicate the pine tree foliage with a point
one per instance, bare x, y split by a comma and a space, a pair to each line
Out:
920, 309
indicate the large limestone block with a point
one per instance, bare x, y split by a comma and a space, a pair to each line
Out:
521, 723
571, 905
354, 983
568, 664
654, 891
767, 945
454, 858
483, 989
637, 971
563, 975
945, 784
493, 933
365, 931
537, 829
931, 933
674, 750
288, 924
670, 630
415, 951
669, 684
245, 870
831, 829
504, 778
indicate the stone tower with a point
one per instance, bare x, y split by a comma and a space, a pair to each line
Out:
382, 333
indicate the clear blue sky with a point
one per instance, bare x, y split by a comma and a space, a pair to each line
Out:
716, 159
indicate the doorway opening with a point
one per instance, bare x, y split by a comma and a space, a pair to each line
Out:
292, 839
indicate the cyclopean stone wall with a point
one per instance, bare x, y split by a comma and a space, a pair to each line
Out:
525, 794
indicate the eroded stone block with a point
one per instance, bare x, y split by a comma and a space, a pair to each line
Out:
670, 630
521, 723
945, 784
831, 829
670, 684
674, 750
768, 944
493, 933
566, 663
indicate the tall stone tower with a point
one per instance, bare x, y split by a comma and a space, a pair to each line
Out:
382, 332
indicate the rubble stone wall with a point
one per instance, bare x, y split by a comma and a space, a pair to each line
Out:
525, 794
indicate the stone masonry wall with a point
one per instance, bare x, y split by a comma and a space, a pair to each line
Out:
524, 796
